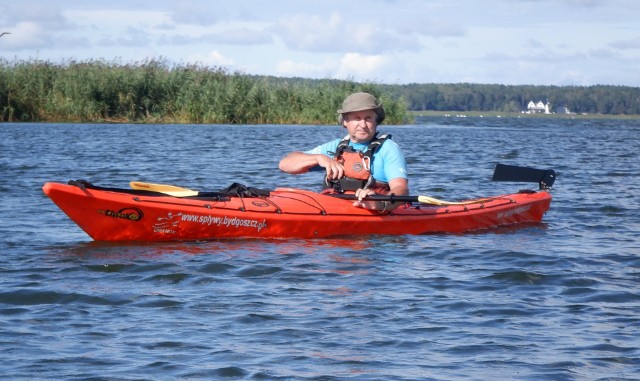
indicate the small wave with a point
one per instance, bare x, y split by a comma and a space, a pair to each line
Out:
168, 278
216, 268
623, 297
37, 297
228, 372
258, 271
256, 318
519, 277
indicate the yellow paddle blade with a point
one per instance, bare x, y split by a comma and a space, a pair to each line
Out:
435, 201
171, 190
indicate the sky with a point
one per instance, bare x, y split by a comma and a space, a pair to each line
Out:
510, 42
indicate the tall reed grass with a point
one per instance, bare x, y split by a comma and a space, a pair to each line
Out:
154, 92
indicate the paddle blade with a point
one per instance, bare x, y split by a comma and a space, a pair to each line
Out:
171, 190
544, 177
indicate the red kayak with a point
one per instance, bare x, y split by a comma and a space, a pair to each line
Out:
110, 214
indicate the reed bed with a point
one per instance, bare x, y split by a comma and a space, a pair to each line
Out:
154, 92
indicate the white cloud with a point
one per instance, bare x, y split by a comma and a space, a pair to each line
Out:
186, 12
336, 33
311, 33
288, 68
362, 67
110, 20
241, 36
26, 35
214, 58
631, 43
352, 66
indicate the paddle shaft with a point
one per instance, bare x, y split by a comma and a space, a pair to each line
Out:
378, 197
420, 199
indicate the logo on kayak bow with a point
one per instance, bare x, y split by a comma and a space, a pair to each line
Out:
131, 214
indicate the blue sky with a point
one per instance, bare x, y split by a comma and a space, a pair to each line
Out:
512, 42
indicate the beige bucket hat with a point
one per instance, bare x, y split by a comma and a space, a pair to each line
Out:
362, 101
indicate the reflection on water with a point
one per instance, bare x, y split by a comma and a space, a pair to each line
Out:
243, 247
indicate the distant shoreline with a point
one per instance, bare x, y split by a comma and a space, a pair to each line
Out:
155, 92
413, 116
496, 114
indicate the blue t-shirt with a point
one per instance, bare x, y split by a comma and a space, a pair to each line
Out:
388, 162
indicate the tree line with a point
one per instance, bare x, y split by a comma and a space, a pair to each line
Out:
153, 91
598, 99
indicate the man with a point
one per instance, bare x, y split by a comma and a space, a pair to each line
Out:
362, 161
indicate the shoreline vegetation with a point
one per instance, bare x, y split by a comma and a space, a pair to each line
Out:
152, 91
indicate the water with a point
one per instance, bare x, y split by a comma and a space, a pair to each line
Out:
555, 301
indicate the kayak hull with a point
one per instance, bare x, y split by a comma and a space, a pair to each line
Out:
107, 215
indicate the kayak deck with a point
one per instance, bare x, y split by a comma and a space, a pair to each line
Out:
125, 215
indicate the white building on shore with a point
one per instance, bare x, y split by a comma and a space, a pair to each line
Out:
538, 108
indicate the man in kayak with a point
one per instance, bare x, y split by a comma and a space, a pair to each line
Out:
362, 161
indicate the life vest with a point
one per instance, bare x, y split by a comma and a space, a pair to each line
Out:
357, 166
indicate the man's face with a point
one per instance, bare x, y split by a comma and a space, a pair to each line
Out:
361, 125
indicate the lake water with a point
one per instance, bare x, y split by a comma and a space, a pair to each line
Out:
555, 301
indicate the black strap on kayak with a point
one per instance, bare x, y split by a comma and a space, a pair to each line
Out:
241, 190
84, 184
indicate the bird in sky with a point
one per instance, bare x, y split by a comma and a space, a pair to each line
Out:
3, 33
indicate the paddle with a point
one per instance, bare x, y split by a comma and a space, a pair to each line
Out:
502, 172
171, 190
420, 199
544, 177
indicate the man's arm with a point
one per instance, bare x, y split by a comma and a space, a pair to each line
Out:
299, 162
399, 186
